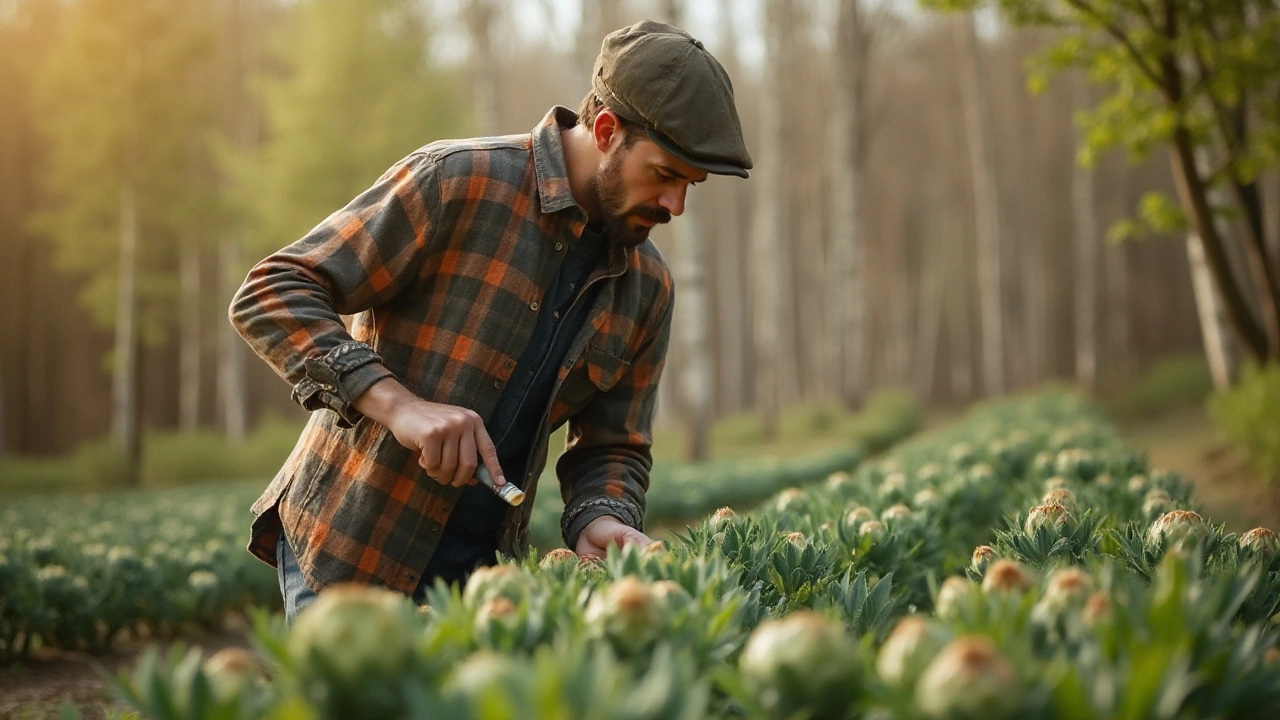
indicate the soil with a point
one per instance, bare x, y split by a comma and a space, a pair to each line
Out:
40, 685
1227, 489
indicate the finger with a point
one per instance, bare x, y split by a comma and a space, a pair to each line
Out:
449, 462
633, 537
489, 454
466, 472
429, 458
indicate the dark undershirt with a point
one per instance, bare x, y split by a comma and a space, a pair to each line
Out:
470, 535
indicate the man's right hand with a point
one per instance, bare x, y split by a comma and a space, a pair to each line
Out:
450, 441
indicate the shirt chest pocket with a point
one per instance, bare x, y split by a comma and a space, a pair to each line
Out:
596, 371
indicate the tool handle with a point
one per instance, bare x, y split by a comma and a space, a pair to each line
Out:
511, 494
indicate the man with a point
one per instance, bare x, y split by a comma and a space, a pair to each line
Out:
501, 287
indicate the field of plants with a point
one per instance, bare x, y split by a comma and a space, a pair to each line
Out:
1023, 563
82, 572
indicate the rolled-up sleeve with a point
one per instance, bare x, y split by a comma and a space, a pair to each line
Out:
290, 306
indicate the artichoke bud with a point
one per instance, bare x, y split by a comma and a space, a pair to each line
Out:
968, 679
627, 614
353, 632
1178, 529
950, 596
896, 514
1053, 514
1006, 576
493, 581
557, 558
874, 528
801, 662
230, 671
982, 557
1060, 496
1260, 540
908, 649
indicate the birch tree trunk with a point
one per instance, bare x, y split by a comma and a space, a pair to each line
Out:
124, 383
1213, 328
1086, 254
846, 336
977, 115
480, 16
959, 329
692, 311
598, 18
1219, 347
189, 339
232, 380
770, 226
929, 323
730, 301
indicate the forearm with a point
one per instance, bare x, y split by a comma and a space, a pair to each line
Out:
383, 400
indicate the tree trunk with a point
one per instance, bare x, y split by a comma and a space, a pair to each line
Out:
929, 323
1218, 348
1086, 271
959, 331
846, 339
770, 227
124, 386
690, 276
977, 115
189, 340
691, 316
480, 16
1194, 197
730, 301
233, 386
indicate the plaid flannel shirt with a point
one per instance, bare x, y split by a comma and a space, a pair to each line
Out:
442, 263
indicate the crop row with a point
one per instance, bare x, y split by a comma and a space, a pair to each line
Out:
1023, 564
152, 564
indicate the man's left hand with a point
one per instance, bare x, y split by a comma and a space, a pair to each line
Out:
604, 531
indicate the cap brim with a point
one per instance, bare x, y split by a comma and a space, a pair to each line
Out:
710, 166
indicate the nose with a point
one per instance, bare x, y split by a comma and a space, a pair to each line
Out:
673, 200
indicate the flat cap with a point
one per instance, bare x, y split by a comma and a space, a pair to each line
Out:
659, 76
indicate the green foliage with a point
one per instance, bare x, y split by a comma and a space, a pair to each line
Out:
356, 93
1168, 384
168, 459
1249, 415
118, 115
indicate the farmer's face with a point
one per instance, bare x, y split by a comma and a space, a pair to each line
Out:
639, 186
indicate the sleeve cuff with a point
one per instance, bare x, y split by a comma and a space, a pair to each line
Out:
334, 381
576, 519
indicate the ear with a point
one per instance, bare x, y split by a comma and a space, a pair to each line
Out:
607, 130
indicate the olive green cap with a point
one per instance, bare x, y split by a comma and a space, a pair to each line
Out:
659, 76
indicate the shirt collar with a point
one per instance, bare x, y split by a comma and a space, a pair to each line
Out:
554, 193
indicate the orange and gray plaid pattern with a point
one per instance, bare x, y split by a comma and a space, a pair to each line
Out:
442, 264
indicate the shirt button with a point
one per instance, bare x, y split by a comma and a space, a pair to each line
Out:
556, 314
559, 247
530, 373
533, 305
497, 384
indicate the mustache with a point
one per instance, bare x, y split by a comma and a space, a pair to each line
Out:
653, 214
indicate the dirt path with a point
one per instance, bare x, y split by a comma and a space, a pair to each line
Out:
38, 687
1186, 442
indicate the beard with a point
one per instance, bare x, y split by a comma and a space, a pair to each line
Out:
610, 196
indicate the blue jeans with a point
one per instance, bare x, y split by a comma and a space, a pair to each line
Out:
452, 562
297, 594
